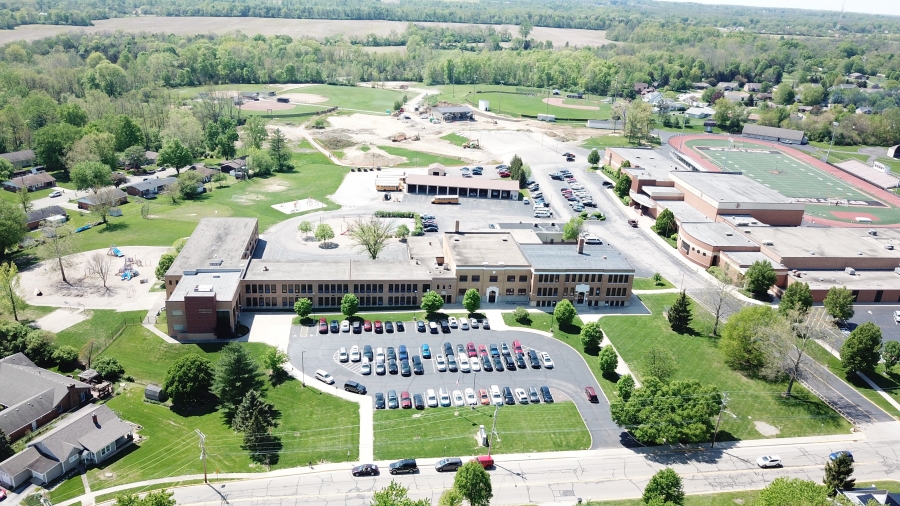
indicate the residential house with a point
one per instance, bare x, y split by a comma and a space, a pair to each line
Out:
699, 112
863, 496
108, 195
856, 76
864, 110
206, 173
233, 165
653, 98
34, 182
90, 437
763, 96
34, 218
19, 159
150, 188
728, 86
640, 87
700, 86
736, 96
752, 87
31, 396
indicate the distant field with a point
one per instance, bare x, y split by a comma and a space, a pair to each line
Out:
516, 104
353, 97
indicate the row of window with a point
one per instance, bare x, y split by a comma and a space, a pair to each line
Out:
583, 278
285, 288
592, 303
476, 278
615, 292
335, 288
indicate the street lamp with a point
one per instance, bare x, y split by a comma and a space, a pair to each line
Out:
500, 105
834, 124
474, 82
493, 430
302, 370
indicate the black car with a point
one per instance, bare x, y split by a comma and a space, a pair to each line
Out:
367, 352
498, 364
448, 349
388, 327
545, 395
429, 229
357, 388
520, 361
393, 401
400, 327
507, 396
392, 366
420, 326
357, 327
502, 166
510, 363
334, 327
451, 464
417, 365
404, 368
486, 363
418, 401
403, 466
451, 363
379, 400
534, 359
607, 184
365, 470
391, 353
445, 326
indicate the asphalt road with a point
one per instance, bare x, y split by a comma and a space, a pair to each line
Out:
881, 315
570, 374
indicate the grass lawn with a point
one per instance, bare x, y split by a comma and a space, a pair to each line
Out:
102, 325
439, 432
606, 141
893, 163
29, 313
514, 104
840, 156
717, 499
15, 198
697, 357
353, 97
459, 140
420, 159
889, 381
649, 284
67, 490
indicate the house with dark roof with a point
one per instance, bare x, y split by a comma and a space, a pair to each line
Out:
34, 218
728, 86
150, 188
640, 87
233, 165
31, 396
19, 159
34, 182
108, 195
87, 438
206, 173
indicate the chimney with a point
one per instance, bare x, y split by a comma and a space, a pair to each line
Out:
94, 418
456, 229
580, 245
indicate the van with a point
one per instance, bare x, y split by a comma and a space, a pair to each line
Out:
354, 387
486, 461
450, 464
324, 377
541, 213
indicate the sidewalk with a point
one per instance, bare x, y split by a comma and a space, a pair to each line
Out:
865, 378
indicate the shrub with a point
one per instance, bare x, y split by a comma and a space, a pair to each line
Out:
520, 314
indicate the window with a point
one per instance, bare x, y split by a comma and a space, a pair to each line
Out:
493, 279
461, 292
567, 278
267, 288
170, 282
510, 279
523, 279
177, 312
476, 278
579, 278
510, 291
177, 327
320, 290
380, 288
464, 279
246, 288
523, 291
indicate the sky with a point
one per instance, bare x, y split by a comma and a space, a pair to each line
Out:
889, 7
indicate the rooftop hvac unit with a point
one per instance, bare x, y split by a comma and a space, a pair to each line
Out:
812, 252
768, 243
897, 270
850, 270
888, 246
873, 232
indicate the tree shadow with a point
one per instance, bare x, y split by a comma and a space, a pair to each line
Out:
611, 376
278, 377
188, 410
112, 226
570, 328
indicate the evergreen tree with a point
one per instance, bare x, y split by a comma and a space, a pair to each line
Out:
255, 418
838, 474
680, 314
280, 151
236, 374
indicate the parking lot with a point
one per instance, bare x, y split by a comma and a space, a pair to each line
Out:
566, 380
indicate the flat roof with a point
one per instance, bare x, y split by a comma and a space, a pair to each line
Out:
565, 257
463, 182
218, 241
470, 249
453, 109
767, 131
831, 242
744, 259
742, 220
336, 269
861, 280
646, 163
730, 188
662, 191
525, 236
424, 248
223, 284
683, 211
536, 226
716, 234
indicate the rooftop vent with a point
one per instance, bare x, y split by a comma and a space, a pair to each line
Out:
728, 234
768, 243
888, 246
850, 270
859, 253
812, 252
216, 261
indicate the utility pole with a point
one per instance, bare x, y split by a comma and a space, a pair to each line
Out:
493, 430
302, 370
202, 452
834, 125
718, 420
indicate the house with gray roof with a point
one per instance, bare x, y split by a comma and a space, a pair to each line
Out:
34, 182
20, 159
31, 396
150, 188
87, 438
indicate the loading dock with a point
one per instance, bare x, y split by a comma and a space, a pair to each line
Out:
462, 187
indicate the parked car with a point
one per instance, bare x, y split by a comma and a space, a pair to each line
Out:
483, 396
545, 395
378, 327
357, 327
418, 402
548, 362
498, 364
400, 327
345, 326
335, 327
458, 399
380, 368
354, 387
508, 396
471, 400
432, 326
367, 352
53, 194
365, 470
510, 362
405, 400
496, 396
451, 464
403, 354
463, 324
388, 327
426, 351
405, 370
379, 400
533, 395
486, 363
534, 359
431, 398
769, 461
444, 397
417, 366
591, 394
441, 363
403, 466
420, 326
486, 461
323, 326
453, 323
451, 363
366, 368
391, 353
343, 356
521, 396
367, 326
324, 377
392, 400
486, 325
504, 348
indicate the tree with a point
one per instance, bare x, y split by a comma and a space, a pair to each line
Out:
593, 157
839, 303
162, 267
273, 360
515, 165
665, 486
255, 418
474, 483
402, 232
189, 379
472, 300
134, 157
797, 298
305, 227
93, 147
623, 186
12, 225
891, 354
665, 223
564, 312
303, 307
659, 363
729, 116
281, 154
608, 360
219, 178
625, 387
591, 337
743, 342
432, 302
255, 132
52, 142
862, 349
520, 314
638, 121
838, 474
158, 498
371, 234
573, 228
236, 374
680, 315
524, 30
174, 154
722, 300
72, 114
190, 184
324, 233
182, 125
126, 132
10, 289
99, 265
451, 497
107, 198
24, 197
6, 449
760, 277
669, 413
395, 495
6, 169
65, 356
118, 179
349, 305
260, 162
108, 368
59, 243
784, 94
793, 491
172, 190
90, 176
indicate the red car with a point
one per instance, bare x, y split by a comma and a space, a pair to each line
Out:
323, 326
482, 350
483, 396
367, 326
405, 400
591, 394
378, 328
470, 348
486, 461
504, 174
517, 346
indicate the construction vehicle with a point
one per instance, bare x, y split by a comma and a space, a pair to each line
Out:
473, 144
399, 137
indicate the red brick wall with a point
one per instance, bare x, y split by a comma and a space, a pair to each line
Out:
200, 313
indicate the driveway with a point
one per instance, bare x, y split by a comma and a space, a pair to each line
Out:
569, 376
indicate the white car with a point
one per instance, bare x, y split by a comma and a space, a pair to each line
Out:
592, 239
475, 364
463, 324
896, 316
769, 461
441, 363
453, 323
342, 355
445, 397
496, 398
345, 326
366, 368
471, 400
354, 353
379, 354
54, 194
548, 362
521, 396
431, 399
458, 398
324, 377
463, 362
577, 186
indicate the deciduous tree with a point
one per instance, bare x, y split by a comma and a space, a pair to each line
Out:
6, 449
174, 154
165, 261
127, 133
625, 387
474, 483
472, 300
862, 350
305, 227
591, 337
793, 491
349, 304
797, 298
59, 243
432, 302
99, 265
93, 147
303, 307
665, 223
190, 184
659, 363
395, 495
189, 379
564, 312
402, 232
839, 303
520, 314
91, 176
6, 169
10, 290
608, 360
260, 163
665, 487
760, 277
573, 228
324, 232
371, 234
593, 157
108, 368
891, 354
744, 339
52, 142
255, 132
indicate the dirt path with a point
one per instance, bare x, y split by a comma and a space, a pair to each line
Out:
558, 102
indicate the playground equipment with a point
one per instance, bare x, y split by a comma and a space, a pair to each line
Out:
114, 251
128, 271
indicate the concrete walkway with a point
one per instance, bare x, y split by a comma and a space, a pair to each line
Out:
162, 335
60, 320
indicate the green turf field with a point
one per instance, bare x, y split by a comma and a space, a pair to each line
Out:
354, 97
517, 104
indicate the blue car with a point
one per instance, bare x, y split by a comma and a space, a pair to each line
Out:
426, 351
402, 352
835, 455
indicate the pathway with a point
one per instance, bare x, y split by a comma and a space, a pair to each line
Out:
865, 378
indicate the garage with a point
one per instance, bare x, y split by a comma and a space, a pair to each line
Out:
462, 187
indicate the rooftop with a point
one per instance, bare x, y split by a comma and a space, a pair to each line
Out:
223, 284
717, 234
657, 192
745, 259
152, 184
766, 131
719, 188
565, 257
537, 226
44, 213
30, 180
861, 280
742, 220
463, 182
683, 211
652, 163
834, 242
338, 269
26, 155
216, 244
451, 109
480, 248
424, 248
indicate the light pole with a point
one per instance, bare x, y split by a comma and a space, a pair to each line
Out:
500, 100
493, 430
474, 82
302, 370
834, 125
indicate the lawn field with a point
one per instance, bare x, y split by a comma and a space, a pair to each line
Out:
359, 98
459, 140
439, 432
101, 326
514, 104
606, 141
697, 357
889, 381
420, 159
649, 284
